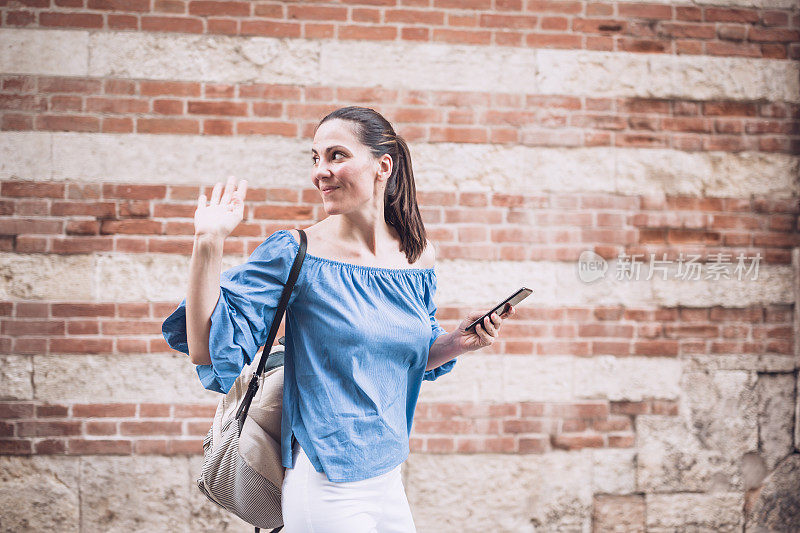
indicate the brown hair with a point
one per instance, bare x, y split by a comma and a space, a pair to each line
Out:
400, 198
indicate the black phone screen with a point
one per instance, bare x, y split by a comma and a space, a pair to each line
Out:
514, 299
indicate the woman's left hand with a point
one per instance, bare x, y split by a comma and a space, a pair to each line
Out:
485, 333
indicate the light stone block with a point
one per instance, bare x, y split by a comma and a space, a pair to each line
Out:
707, 513
147, 277
767, 4
26, 155
776, 404
134, 493
614, 74
39, 494
536, 378
671, 458
723, 410
15, 377
494, 492
474, 378
436, 66
274, 161
618, 514
161, 378
46, 277
209, 58
265, 161
746, 362
163, 277
627, 378
44, 51
613, 470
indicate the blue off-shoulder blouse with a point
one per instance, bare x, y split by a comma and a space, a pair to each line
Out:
357, 344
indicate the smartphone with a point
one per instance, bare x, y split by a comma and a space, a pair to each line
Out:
514, 299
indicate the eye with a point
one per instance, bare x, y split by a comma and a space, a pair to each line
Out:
337, 152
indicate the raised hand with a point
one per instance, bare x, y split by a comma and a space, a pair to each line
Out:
220, 216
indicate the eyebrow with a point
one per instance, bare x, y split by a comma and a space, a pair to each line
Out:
330, 148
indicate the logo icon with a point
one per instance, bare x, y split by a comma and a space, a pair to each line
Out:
591, 266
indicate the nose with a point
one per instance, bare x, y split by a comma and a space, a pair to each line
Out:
321, 170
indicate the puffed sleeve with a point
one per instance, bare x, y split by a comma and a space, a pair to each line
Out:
436, 331
240, 322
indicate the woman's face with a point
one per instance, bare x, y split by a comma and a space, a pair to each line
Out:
341, 162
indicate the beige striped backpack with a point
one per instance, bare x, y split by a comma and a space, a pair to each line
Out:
242, 469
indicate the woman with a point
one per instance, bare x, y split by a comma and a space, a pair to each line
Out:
361, 332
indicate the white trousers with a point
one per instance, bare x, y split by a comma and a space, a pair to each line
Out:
312, 504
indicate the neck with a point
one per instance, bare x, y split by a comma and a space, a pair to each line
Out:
372, 235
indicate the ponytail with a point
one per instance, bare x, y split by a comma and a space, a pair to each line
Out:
400, 197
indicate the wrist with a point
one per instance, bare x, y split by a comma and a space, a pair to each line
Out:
208, 240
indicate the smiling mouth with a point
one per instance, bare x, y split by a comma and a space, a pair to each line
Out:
326, 191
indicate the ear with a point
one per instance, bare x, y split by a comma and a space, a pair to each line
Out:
384, 167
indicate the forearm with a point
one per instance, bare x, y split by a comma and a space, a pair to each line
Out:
202, 295
443, 350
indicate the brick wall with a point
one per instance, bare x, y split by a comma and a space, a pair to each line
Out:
538, 130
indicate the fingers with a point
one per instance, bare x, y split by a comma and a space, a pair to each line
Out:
241, 190
215, 194
230, 186
201, 200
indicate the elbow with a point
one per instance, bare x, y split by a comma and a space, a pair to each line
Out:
199, 358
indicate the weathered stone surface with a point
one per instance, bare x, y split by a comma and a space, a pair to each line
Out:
119, 378
272, 161
723, 408
703, 448
627, 378
707, 513
776, 405
57, 52
613, 470
672, 459
15, 377
438, 66
39, 494
778, 505
475, 377
618, 514
147, 277
46, 277
136, 493
21, 155
535, 378
754, 470
747, 362
488, 492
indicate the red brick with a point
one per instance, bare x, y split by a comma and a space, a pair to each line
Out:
48, 410
534, 444
577, 441
627, 440
99, 447
150, 428
50, 446
154, 410
580, 410
15, 447
48, 428
116, 410
629, 407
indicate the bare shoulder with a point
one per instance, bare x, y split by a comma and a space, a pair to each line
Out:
295, 234
428, 257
